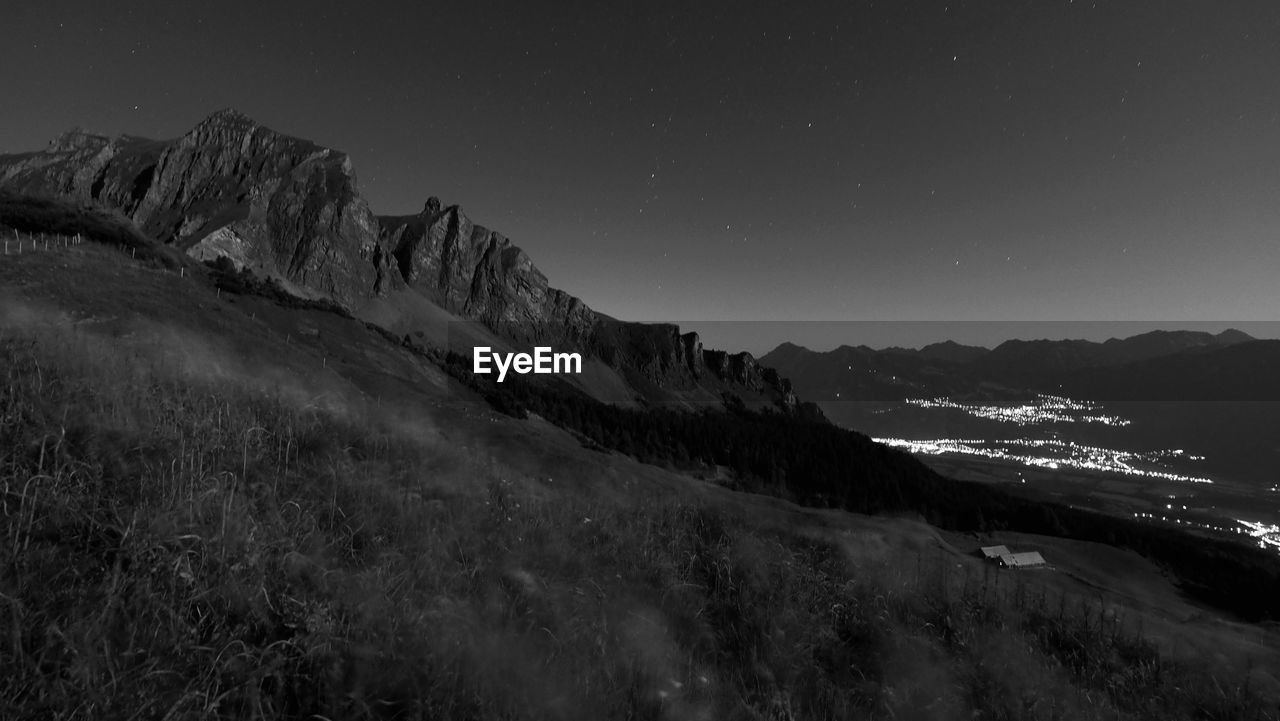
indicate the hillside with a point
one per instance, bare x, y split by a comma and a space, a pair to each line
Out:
223, 504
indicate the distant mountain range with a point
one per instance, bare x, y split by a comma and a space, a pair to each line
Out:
1154, 366
291, 209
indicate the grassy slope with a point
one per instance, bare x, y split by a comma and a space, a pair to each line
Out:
213, 508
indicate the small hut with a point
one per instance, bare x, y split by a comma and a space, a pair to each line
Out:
992, 553
1029, 559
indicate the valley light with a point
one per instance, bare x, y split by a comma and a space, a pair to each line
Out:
542, 362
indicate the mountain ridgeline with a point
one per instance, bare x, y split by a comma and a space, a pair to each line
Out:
1154, 366
288, 208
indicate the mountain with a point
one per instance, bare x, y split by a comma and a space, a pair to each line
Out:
1167, 342
952, 352
1040, 362
228, 187
1234, 372
1149, 365
289, 209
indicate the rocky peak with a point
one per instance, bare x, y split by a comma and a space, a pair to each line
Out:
77, 139
227, 116
431, 209
284, 204
741, 368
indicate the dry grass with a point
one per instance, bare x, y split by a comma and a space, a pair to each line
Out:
180, 547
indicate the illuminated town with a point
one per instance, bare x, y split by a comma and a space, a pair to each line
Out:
1060, 454
1044, 409
1267, 534
1055, 454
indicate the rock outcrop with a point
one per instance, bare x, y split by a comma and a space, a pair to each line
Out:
478, 273
85, 167
287, 205
231, 188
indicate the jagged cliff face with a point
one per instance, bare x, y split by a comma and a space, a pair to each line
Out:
477, 273
85, 167
232, 188
229, 187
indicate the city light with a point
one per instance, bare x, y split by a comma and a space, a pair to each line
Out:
1055, 452
1053, 455
1044, 409
1268, 534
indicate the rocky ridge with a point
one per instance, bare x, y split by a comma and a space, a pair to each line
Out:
277, 204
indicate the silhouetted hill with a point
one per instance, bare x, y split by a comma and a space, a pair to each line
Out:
948, 368
1166, 342
1237, 372
953, 352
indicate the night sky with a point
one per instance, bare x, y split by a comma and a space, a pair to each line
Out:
848, 161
